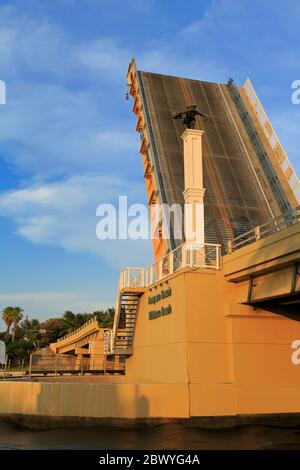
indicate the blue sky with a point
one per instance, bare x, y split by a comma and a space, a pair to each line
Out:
67, 134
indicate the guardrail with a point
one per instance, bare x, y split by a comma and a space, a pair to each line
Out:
78, 329
273, 226
273, 139
193, 255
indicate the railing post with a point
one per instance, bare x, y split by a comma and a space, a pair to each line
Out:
111, 341
144, 277
171, 265
5, 366
183, 256
151, 274
217, 258
160, 271
30, 366
105, 364
257, 233
229, 246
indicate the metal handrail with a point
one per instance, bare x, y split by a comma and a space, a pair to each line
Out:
273, 139
274, 225
155, 272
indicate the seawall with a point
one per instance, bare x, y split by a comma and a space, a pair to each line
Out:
53, 403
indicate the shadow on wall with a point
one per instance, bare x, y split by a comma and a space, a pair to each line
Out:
141, 404
90, 400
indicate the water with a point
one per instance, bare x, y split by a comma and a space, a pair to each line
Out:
169, 436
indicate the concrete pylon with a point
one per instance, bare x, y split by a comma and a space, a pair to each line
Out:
193, 186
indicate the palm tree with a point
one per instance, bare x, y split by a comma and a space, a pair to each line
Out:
16, 318
7, 317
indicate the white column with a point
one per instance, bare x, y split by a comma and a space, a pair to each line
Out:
193, 186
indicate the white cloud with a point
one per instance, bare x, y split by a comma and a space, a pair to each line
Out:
64, 214
56, 121
102, 55
30, 43
48, 129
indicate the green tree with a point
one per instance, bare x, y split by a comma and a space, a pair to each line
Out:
56, 328
28, 334
7, 317
17, 316
105, 317
19, 350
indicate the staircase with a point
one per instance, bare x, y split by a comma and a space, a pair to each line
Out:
125, 322
135, 281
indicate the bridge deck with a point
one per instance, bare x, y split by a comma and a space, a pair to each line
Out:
238, 194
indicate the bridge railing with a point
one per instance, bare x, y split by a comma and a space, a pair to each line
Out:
193, 255
67, 363
93, 319
273, 139
273, 226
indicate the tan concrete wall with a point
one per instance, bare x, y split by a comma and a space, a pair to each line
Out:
234, 358
209, 344
240, 357
159, 349
266, 379
94, 400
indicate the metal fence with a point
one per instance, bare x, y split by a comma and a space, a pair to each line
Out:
273, 139
64, 364
273, 226
193, 255
67, 363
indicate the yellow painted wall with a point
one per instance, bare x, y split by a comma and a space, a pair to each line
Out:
94, 400
160, 344
235, 359
209, 344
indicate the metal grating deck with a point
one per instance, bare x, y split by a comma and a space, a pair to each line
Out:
237, 197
